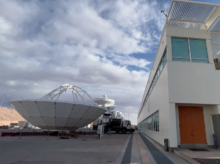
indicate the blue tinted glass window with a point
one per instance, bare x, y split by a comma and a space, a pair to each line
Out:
198, 50
201, 61
156, 77
180, 48
154, 122
150, 89
146, 124
161, 66
158, 73
158, 121
150, 121
153, 83
180, 59
165, 57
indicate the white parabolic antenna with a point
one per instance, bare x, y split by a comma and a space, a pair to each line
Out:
49, 113
110, 106
105, 101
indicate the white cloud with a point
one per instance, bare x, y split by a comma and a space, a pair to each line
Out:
11, 83
5, 26
132, 61
44, 44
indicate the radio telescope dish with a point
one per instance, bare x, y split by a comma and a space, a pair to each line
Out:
49, 113
105, 102
109, 104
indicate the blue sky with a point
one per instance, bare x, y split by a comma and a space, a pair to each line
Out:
105, 47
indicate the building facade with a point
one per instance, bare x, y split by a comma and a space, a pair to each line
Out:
182, 92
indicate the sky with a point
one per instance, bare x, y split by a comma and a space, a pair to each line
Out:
104, 47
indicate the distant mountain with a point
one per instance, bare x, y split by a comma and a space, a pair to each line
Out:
8, 116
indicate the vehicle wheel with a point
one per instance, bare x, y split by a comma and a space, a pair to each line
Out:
123, 131
117, 131
131, 131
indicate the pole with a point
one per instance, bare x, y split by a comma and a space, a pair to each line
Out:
128, 112
3, 100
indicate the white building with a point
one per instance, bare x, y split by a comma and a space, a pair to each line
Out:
182, 92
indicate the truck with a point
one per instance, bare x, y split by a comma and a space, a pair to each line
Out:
119, 126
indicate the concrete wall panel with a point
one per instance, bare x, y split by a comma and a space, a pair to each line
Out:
187, 33
195, 83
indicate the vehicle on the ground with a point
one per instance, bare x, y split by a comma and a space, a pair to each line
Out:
4, 127
117, 125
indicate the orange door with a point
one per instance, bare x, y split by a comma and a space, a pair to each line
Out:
185, 125
192, 126
199, 135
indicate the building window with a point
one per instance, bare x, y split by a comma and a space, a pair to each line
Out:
140, 127
165, 57
198, 51
193, 50
145, 125
150, 123
157, 74
180, 49
156, 121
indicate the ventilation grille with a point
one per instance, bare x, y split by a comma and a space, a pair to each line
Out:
215, 49
216, 26
190, 12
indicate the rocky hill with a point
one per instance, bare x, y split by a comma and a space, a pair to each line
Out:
8, 116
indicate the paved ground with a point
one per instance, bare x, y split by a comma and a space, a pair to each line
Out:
38, 150
171, 156
115, 148
146, 157
131, 153
212, 156
158, 156
208, 161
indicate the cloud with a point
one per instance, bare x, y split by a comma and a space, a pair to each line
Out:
44, 44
